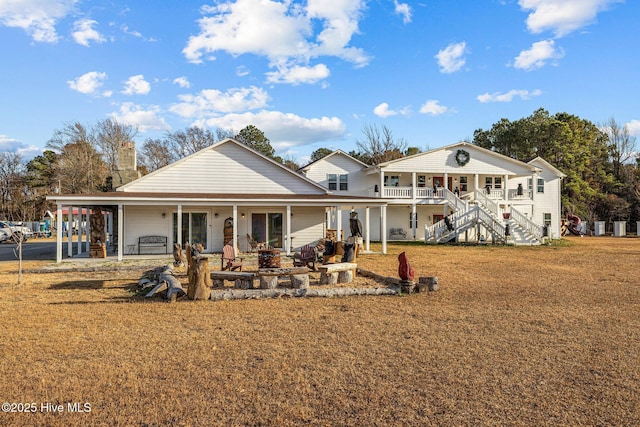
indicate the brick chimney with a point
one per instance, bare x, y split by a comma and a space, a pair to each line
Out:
127, 166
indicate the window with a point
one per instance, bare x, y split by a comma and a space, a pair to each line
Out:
333, 181
540, 185
391, 180
344, 182
547, 219
463, 183
529, 183
497, 182
413, 219
422, 181
488, 182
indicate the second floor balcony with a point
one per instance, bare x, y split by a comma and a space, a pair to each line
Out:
397, 192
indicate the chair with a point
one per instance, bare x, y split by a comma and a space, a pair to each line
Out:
306, 257
253, 244
229, 259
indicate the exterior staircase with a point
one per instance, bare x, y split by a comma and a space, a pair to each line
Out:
482, 211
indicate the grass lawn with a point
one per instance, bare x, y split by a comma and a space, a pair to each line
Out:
514, 336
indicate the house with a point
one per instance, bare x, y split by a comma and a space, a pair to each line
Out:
230, 193
459, 192
225, 192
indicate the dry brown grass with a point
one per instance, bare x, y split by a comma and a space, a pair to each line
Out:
514, 336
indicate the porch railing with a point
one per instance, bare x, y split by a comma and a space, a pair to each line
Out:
527, 224
397, 192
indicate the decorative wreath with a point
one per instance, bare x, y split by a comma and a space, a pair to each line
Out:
462, 157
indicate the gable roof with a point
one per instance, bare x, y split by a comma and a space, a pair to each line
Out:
452, 164
225, 167
547, 166
337, 152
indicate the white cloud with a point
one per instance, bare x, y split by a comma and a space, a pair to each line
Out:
136, 85
382, 110
299, 74
562, 16
247, 27
451, 58
538, 55
10, 145
88, 83
433, 108
634, 127
508, 97
404, 10
182, 82
211, 102
144, 119
37, 17
84, 33
285, 130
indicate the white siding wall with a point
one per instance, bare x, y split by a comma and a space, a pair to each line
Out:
146, 221
224, 168
339, 164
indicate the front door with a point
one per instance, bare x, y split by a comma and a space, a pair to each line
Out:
267, 228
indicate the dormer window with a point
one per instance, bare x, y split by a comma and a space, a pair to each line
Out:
338, 181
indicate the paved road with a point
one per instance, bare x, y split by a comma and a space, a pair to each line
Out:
32, 249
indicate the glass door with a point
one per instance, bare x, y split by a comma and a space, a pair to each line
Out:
194, 228
267, 228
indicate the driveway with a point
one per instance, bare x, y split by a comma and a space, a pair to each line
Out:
32, 250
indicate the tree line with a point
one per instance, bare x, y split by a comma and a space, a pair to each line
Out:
601, 164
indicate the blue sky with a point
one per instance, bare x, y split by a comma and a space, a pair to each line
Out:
312, 74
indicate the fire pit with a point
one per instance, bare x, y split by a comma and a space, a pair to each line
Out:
269, 258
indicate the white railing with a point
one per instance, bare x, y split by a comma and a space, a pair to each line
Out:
462, 221
527, 224
397, 192
454, 201
526, 195
487, 202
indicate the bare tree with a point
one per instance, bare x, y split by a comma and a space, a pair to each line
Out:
622, 145
156, 153
110, 135
11, 183
379, 145
71, 132
192, 140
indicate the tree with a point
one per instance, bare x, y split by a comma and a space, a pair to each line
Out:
11, 183
320, 153
622, 146
255, 138
190, 141
156, 153
41, 179
411, 151
379, 145
573, 145
81, 169
111, 135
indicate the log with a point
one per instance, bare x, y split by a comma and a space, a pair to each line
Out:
427, 284
299, 281
329, 278
268, 282
199, 279
388, 280
239, 294
243, 283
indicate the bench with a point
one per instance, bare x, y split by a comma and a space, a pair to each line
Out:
342, 272
152, 242
299, 277
396, 233
242, 280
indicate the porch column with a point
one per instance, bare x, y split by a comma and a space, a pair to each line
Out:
413, 185
59, 233
446, 181
87, 237
414, 219
120, 231
179, 225
367, 229
109, 223
338, 222
287, 243
381, 184
475, 181
70, 232
383, 228
506, 192
235, 228
79, 241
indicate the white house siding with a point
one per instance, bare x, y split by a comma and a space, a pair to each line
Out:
548, 202
443, 161
307, 225
146, 221
339, 164
223, 168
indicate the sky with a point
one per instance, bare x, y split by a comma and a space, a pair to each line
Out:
312, 74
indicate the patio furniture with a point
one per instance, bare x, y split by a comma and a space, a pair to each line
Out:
230, 261
397, 233
252, 244
306, 257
